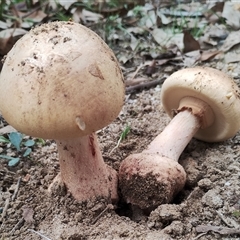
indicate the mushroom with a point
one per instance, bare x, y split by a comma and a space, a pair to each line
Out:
205, 104
61, 81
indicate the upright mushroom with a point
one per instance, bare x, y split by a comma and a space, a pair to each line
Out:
61, 81
205, 104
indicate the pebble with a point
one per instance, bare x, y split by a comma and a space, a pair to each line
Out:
212, 199
205, 184
164, 213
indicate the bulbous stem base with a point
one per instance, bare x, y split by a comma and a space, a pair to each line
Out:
83, 170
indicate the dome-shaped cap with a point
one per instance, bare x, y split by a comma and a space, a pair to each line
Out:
60, 81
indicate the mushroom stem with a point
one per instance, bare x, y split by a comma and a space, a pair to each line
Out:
206, 100
84, 171
175, 137
154, 176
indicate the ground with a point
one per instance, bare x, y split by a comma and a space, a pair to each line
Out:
211, 196
207, 208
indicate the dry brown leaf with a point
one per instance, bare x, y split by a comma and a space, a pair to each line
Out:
6, 24
218, 7
37, 16
206, 42
167, 38
121, 9
232, 14
164, 20
12, 32
88, 16
164, 61
134, 81
64, 3
213, 34
77, 14
7, 129
151, 68
193, 9
232, 40
215, 12
190, 58
8, 37
208, 55
190, 43
232, 56
5, 45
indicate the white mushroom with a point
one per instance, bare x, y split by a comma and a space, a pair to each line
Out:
205, 103
61, 81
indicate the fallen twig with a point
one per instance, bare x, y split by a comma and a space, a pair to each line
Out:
40, 234
8, 201
217, 229
4, 212
199, 235
145, 85
16, 189
225, 220
21, 221
109, 206
137, 70
5, 208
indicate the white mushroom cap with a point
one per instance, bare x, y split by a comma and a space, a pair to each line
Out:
213, 87
60, 81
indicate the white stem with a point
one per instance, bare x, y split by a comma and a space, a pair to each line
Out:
175, 137
83, 169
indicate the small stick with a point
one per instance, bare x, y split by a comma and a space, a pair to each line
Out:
200, 235
109, 206
137, 70
223, 219
4, 212
110, 158
18, 224
16, 189
5, 208
231, 225
217, 229
141, 86
40, 234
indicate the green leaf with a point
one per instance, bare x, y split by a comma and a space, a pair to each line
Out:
125, 133
236, 214
29, 143
6, 157
27, 152
41, 141
16, 139
4, 140
13, 162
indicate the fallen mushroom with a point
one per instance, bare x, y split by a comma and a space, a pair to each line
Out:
61, 81
206, 105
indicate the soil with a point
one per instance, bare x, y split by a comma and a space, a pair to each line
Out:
207, 208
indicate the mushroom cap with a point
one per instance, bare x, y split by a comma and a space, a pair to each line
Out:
60, 81
213, 87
